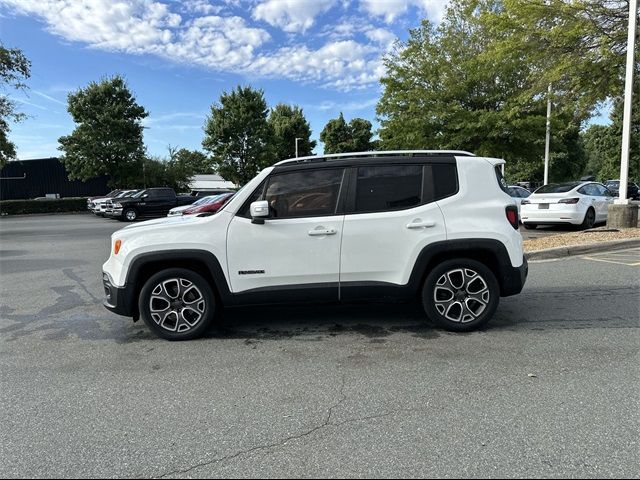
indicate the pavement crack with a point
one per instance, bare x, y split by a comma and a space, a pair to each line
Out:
324, 424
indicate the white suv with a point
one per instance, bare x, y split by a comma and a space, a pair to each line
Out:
434, 225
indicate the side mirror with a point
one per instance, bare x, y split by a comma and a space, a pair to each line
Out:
259, 211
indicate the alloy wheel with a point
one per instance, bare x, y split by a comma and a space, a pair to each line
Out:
461, 295
177, 305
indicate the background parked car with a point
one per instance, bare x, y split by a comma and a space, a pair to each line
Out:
614, 187
209, 192
180, 210
101, 205
518, 194
91, 201
150, 203
212, 205
575, 203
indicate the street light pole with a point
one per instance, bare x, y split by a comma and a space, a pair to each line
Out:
297, 138
628, 93
548, 138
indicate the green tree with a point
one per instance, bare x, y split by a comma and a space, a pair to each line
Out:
108, 136
442, 91
578, 46
14, 70
603, 143
183, 165
340, 137
288, 123
238, 135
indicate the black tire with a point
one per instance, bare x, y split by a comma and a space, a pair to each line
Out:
589, 219
130, 215
530, 226
189, 313
463, 275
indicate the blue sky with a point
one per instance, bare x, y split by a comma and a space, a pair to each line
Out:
179, 56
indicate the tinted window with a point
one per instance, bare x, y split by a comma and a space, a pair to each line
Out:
445, 180
557, 188
501, 181
589, 189
304, 194
391, 187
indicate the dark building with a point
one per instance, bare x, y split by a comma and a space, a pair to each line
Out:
23, 179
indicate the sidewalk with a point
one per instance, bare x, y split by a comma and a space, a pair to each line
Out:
578, 243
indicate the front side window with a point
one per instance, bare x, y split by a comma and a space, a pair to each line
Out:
306, 193
393, 187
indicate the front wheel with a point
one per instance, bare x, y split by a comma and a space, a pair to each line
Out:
177, 304
460, 295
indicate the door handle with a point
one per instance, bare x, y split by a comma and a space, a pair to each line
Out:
421, 224
320, 231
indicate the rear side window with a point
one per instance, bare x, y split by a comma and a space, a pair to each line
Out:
392, 187
445, 180
504, 186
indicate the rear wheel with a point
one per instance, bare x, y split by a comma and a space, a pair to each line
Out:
589, 219
460, 295
177, 304
530, 226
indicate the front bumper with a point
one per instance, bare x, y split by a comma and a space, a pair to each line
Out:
513, 279
119, 300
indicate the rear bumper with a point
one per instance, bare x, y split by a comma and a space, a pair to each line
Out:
513, 279
119, 300
552, 216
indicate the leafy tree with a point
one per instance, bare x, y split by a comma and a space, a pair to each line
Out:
603, 143
288, 123
340, 137
108, 135
183, 164
443, 91
238, 135
578, 46
14, 70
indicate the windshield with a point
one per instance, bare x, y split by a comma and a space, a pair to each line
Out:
139, 194
203, 200
557, 187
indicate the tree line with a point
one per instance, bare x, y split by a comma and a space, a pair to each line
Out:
477, 81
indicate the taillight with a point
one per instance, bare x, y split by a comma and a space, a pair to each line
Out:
570, 201
512, 216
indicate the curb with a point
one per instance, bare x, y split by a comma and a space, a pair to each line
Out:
560, 252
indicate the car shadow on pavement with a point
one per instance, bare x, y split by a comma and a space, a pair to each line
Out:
323, 321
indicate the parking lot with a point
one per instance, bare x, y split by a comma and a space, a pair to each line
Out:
549, 389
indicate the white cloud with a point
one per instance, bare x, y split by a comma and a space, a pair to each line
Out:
200, 6
390, 9
220, 42
382, 37
291, 15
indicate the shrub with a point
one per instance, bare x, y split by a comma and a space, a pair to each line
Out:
20, 207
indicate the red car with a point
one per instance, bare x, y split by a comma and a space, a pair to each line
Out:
212, 205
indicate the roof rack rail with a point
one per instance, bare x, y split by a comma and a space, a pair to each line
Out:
387, 153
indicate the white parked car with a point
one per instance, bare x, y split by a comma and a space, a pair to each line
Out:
518, 193
575, 203
99, 205
334, 228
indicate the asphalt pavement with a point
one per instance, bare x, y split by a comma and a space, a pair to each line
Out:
549, 389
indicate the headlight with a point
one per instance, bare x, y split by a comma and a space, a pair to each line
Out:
117, 205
